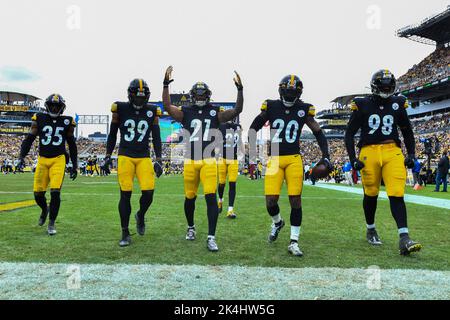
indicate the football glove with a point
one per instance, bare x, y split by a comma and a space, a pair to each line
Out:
107, 161
409, 161
168, 76
73, 173
157, 167
238, 81
327, 163
357, 164
21, 163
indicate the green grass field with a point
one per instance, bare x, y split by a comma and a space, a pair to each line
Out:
333, 230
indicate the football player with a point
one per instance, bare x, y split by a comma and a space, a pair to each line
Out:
287, 116
378, 116
201, 122
135, 120
229, 164
54, 130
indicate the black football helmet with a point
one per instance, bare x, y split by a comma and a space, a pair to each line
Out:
200, 94
383, 84
55, 105
138, 93
290, 89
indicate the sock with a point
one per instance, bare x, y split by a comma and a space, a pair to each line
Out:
213, 213
370, 207
230, 209
232, 194
296, 217
295, 233
41, 201
398, 210
221, 191
55, 201
125, 209
189, 208
145, 202
371, 226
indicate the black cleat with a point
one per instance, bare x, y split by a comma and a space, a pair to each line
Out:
373, 238
406, 246
126, 239
140, 224
43, 217
275, 231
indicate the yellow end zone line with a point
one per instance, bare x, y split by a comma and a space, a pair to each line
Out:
16, 205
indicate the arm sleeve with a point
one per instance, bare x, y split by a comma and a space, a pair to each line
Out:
112, 138
73, 151
407, 131
26, 145
323, 143
353, 126
157, 144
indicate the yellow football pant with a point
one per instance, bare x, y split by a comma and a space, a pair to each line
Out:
383, 161
142, 168
196, 171
280, 168
230, 168
49, 170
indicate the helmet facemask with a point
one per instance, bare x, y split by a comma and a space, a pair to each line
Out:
290, 90
200, 95
384, 85
138, 93
55, 105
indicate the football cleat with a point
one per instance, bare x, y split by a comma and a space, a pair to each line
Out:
373, 238
140, 224
190, 234
275, 231
220, 206
231, 214
126, 239
406, 246
294, 249
51, 230
212, 245
43, 217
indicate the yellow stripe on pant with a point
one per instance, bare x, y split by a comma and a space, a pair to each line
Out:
383, 161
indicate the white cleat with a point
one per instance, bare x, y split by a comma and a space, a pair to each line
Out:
190, 234
294, 249
212, 245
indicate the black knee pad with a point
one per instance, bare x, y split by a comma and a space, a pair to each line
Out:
147, 196
273, 210
125, 195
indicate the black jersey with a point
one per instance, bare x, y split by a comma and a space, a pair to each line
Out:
231, 135
201, 127
379, 118
286, 124
135, 127
52, 134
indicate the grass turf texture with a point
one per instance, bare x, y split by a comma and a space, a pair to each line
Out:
333, 232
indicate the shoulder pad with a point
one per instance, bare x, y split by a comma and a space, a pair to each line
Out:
354, 105
72, 122
264, 106
34, 117
158, 111
114, 107
221, 109
312, 111
403, 101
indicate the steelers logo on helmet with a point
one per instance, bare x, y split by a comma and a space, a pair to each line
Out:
138, 93
149, 114
55, 105
383, 84
200, 94
290, 90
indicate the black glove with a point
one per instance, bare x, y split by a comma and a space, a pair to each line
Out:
357, 164
327, 163
73, 173
409, 161
21, 163
168, 77
157, 167
238, 82
107, 161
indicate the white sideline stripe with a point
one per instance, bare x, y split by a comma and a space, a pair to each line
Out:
194, 282
168, 195
426, 201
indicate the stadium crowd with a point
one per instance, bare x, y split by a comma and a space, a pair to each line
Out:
434, 67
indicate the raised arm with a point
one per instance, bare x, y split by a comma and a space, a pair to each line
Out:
233, 113
173, 111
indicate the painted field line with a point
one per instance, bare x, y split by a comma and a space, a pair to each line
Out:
427, 201
96, 281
